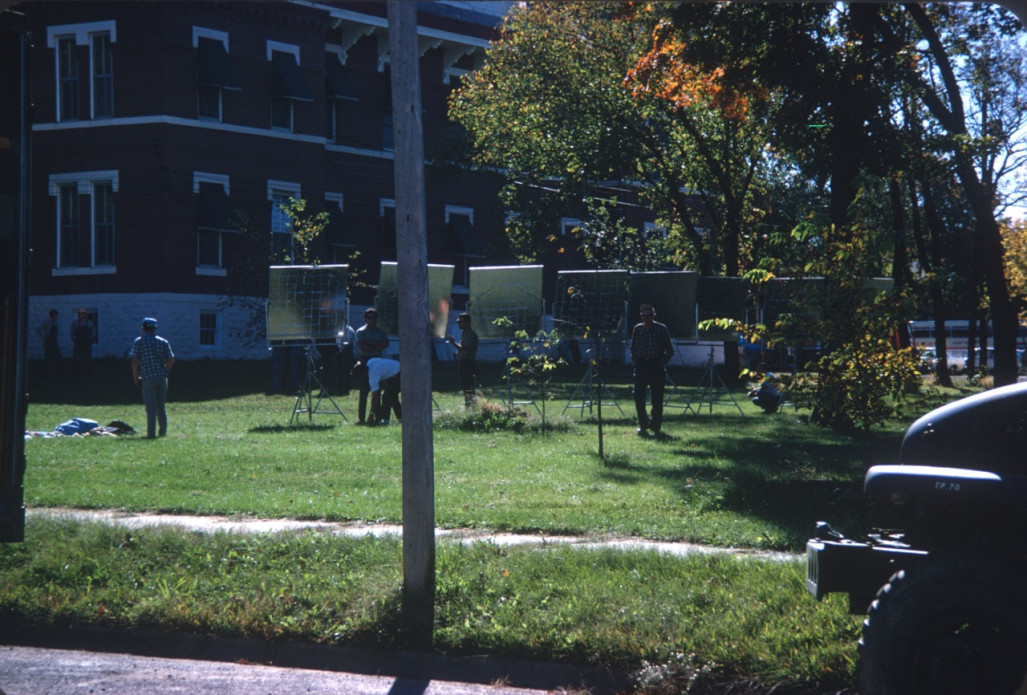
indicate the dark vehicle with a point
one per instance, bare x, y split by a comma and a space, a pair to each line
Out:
945, 597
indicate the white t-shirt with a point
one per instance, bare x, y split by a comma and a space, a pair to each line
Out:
379, 369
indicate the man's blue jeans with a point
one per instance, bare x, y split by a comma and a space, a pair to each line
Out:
155, 395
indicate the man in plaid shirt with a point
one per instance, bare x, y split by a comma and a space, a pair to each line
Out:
152, 359
651, 350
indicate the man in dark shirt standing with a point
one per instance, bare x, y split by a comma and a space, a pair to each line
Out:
651, 349
466, 356
51, 350
372, 342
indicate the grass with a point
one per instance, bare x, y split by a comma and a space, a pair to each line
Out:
721, 478
732, 617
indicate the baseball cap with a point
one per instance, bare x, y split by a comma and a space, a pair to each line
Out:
150, 322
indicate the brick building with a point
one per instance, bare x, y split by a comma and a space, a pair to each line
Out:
166, 135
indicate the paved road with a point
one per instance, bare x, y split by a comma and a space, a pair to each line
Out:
38, 671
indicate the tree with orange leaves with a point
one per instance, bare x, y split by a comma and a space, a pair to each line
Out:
573, 101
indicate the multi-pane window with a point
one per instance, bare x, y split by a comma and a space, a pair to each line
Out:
84, 58
464, 244
215, 218
215, 73
208, 102
288, 84
208, 328
103, 224
281, 113
103, 75
332, 130
68, 226
338, 89
67, 79
281, 225
208, 251
387, 209
208, 92
85, 219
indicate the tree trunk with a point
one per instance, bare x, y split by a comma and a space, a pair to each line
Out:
928, 254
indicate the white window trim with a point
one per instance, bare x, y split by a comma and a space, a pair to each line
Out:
92, 75
92, 225
81, 32
83, 35
84, 181
335, 198
217, 329
460, 210
290, 48
385, 203
223, 179
205, 177
214, 34
294, 51
567, 224
293, 189
58, 100
291, 186
208, 271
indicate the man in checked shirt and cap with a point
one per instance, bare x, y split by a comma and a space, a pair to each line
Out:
152, 359
651, 350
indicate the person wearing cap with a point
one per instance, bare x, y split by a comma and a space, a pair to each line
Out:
651, 350
152, 360
371, 342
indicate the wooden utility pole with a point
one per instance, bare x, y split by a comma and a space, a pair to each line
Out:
414, 327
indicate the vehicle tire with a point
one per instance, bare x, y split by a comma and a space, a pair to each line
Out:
951, 627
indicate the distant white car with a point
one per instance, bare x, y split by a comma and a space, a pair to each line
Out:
928, 360
956, 360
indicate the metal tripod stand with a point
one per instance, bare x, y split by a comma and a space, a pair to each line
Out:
706, 392
590, 390
305, 402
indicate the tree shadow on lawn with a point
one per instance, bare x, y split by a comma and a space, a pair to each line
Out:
790, 477
109, 382
299, 427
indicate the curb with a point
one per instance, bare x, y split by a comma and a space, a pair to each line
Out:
401, 664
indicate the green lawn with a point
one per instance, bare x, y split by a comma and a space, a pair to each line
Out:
723, 478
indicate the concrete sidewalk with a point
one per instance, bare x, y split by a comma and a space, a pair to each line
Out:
214, 524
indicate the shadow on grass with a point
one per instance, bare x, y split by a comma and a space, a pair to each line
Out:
787, 473
109, 382
278, 429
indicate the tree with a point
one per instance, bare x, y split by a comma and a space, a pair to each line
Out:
1014, 241
935, 81
840, 74
306, 228
568, 106
531, 362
